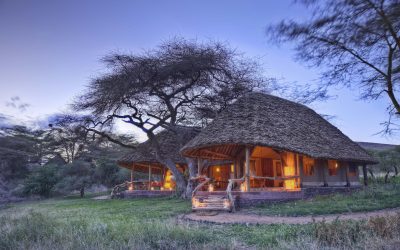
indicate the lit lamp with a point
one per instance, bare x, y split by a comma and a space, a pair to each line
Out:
195, 202
218, 169
211, 188
130, 187
152, 188
243, 187
161, 188
227, 204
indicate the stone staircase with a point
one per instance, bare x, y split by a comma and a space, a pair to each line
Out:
211, 202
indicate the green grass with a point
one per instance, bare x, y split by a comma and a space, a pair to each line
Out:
375, 197
74, 223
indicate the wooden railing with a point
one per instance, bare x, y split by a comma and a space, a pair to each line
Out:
275, 178
118, 188
125, 185
231, 182
201, 184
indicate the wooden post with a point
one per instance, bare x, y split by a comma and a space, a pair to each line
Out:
365, 174
324, 167
163, 176
347, 176
132, 172
247, 168
300, 167
199, 166
149, 186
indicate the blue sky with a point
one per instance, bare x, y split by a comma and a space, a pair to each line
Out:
49, 50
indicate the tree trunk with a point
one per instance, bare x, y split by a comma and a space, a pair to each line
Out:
387, 177
372, 174
82, 192
192, 173
396, 170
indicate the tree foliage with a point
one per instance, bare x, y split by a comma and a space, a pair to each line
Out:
354, 42
42, 180
179, 83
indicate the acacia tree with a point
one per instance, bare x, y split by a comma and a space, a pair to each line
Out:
179, 83
355, 42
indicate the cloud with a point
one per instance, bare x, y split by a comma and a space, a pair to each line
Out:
16, 103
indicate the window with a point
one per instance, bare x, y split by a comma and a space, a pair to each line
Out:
353, 170
333, 167
308, 166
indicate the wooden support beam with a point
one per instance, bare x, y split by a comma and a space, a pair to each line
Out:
324, 168
199, 166
301, 168
247, 168
149, 186
163, 176
364, 168
222, 156
347, 176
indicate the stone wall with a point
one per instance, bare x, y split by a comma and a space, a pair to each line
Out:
145, 194
314, 191
247, 199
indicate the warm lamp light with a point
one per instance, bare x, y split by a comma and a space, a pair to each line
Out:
152, 188
290, 184
218, 169
243, 187
211, 188
232, 168
195, 202
161, 188
227, 204
130, 188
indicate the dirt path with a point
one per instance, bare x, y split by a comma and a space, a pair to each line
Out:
241, 218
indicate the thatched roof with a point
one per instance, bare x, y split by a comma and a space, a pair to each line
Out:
259, 119
170, 145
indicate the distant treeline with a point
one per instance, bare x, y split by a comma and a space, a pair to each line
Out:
49, 162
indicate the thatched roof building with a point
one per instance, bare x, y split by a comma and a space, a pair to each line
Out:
264, 120
169, 141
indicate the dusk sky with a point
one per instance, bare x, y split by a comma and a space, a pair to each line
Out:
49, 50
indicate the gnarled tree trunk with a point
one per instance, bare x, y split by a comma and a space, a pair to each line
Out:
192, 173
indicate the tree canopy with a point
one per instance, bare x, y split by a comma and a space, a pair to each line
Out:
180, 82
354, 42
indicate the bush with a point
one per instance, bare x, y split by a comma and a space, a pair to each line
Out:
42, 180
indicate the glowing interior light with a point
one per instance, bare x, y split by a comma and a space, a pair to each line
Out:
232, 168
211, 188
152, 188
130, 188
162, 188
290, 184
218, 169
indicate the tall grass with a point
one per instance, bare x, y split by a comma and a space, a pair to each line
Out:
153, 224
374, 197
34, 230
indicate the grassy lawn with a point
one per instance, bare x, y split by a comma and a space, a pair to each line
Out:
74, 223
375, 197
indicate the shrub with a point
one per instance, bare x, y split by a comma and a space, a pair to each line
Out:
42, 180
